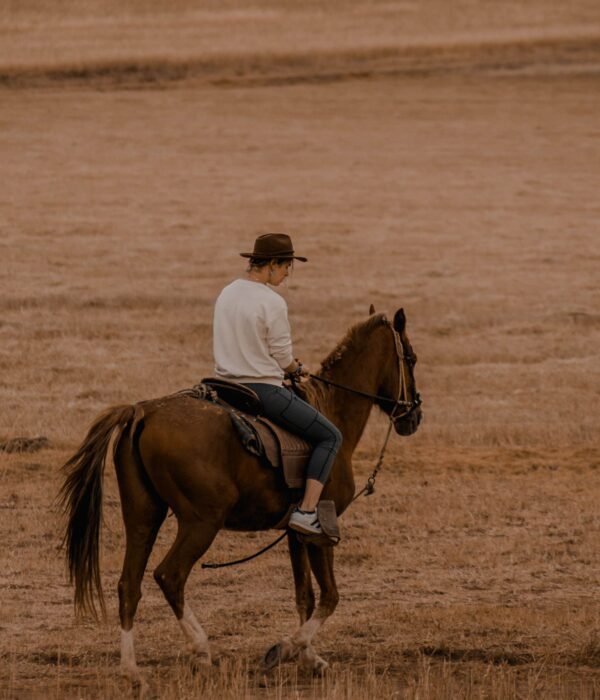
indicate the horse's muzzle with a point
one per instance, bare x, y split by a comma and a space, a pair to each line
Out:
408, 424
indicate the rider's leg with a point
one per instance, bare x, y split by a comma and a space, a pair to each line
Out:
312, 494
283, 407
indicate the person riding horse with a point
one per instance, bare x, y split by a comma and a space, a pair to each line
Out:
181, 453
252, 345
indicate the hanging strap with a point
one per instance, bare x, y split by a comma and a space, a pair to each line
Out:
245, 559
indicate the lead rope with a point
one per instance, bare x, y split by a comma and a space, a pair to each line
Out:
369, 487
248, 558
367, 490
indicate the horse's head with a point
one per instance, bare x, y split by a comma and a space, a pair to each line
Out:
402, 401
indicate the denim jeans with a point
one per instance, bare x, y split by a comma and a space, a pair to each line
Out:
289, 411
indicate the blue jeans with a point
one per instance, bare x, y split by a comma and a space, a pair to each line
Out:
289, 411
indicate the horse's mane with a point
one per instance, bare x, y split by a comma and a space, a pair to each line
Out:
354, 335
315, 392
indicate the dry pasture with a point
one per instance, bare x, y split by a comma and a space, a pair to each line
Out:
469, 197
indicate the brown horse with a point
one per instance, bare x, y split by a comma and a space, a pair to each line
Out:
181, 453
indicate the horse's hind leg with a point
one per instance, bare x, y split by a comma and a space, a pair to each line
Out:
143, 514
194, 537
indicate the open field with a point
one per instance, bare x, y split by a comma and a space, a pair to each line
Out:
133, 42
467, 196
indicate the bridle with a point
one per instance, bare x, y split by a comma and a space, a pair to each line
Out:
403, 406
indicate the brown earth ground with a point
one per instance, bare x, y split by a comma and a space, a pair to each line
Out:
465, 190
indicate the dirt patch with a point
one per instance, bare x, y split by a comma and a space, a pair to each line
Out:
25, 444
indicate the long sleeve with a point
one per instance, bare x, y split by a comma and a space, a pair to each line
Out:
279, 338
251, 334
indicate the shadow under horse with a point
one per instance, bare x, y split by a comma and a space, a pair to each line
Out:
181, 453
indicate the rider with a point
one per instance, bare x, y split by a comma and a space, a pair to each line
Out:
252, 345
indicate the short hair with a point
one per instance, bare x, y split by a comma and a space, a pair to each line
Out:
261, 262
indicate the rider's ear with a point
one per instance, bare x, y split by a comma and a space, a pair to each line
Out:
399, 321
371, 310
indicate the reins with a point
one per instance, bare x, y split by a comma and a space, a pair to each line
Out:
357, 392
402, 385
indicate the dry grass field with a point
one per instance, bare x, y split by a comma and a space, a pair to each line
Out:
443, 158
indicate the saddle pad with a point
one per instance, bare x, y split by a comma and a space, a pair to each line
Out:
281, 449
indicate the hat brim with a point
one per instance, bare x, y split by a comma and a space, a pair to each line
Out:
274, 257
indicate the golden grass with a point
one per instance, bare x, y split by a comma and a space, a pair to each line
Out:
459, 578
470, 201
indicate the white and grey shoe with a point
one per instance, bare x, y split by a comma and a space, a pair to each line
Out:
305, 522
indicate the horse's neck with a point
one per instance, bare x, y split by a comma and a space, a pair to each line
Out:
360, 370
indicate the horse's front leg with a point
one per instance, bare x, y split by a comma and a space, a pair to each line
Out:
305, 601
299, 645
305, 596
321, 562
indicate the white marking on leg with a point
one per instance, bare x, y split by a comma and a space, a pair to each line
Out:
300, 646
129, 667
307, 631
128, 664
194, 632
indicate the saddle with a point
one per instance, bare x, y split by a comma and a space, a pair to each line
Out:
275, 446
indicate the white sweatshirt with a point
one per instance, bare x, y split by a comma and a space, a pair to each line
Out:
251, 334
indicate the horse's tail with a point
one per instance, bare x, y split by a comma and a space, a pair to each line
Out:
81, 499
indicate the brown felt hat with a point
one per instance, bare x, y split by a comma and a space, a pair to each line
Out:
273, 245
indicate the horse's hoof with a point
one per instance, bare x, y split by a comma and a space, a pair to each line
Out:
200, 661
138, 682
272, 657
277, 654
142, 689
312, 662
320, 667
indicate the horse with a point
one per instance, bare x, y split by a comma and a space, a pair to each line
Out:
181, 453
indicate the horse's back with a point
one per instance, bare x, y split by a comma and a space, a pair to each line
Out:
197, 464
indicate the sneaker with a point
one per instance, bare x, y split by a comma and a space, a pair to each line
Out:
305, 522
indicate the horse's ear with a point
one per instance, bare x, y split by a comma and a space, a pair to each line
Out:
399, 321
371, 310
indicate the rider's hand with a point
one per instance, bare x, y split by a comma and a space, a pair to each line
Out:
302, 373
297, 371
